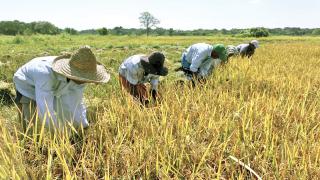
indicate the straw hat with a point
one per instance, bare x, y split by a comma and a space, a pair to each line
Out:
81, 66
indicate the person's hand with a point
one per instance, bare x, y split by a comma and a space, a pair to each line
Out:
193, 74
202, 80
154, 94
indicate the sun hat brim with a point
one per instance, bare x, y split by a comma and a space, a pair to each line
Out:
62, 67
161, 71
255, 43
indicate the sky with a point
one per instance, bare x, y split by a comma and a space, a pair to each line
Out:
176, 14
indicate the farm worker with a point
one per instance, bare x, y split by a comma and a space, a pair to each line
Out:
139, 69
199, 59
232, 51
52, 88
247, 50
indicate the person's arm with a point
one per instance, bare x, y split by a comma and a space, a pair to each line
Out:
205, 68
243, 49
154, 81
44, 100
80, 113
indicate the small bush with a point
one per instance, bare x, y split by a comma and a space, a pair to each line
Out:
103, 31
17, 40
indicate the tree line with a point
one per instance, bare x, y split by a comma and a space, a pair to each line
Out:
43, 27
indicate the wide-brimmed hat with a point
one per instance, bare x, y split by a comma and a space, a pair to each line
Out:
221, 50
154, 64
81, 66
255, 43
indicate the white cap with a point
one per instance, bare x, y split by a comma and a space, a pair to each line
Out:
255, 43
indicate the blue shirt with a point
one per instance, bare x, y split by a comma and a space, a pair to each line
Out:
58, 100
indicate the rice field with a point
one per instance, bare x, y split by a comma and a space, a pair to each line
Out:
264, 112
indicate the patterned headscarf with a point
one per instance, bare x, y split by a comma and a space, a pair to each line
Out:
232, 50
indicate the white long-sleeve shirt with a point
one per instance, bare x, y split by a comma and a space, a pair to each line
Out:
200, 60
242, 48
132, 70
57, 100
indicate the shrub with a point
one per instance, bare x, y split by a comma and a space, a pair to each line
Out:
103, 31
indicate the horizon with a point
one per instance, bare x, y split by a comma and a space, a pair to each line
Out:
162, 27
186, 15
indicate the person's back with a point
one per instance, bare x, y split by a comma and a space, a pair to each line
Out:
242, 48
199, 59
37, 72
247, 50
198, 51
131, 69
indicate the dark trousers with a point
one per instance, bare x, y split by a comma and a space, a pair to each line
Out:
27, 109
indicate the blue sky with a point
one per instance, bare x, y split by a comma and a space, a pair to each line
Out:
186, 14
